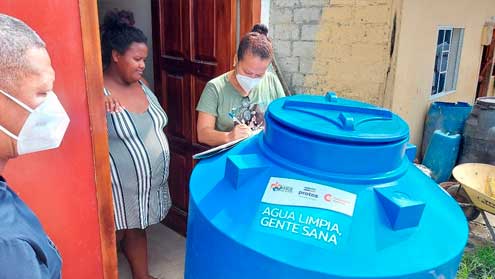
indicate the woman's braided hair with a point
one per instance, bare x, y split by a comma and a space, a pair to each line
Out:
118, 33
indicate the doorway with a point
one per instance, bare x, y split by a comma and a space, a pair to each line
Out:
189, 43
486, 69
193, 42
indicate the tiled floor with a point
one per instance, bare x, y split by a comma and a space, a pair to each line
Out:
166, 250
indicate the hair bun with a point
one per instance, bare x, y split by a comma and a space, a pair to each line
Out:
260, 28
118, 19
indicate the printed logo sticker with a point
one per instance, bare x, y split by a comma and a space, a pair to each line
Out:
292, 192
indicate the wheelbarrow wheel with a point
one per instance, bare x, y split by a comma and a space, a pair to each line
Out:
470, 211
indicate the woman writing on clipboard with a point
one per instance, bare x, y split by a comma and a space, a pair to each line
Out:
232, 103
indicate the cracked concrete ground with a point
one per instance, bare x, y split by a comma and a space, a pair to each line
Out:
478, 232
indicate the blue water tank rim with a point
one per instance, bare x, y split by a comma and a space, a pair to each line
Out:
338, 177
339, 140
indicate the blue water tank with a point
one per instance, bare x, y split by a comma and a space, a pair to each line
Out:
441, 155
326, 191
447, 117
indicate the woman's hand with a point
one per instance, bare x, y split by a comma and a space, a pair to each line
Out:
239, 132
112, 104
208, 135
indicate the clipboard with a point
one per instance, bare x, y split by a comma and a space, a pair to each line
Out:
221, 148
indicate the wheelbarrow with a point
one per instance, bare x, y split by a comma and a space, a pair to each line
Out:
476, 191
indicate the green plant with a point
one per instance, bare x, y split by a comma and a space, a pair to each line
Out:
478, 264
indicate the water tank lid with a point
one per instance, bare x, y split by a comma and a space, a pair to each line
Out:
334, 118
487, 101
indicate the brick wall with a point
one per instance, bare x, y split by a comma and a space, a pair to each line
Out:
339, 45
294, 25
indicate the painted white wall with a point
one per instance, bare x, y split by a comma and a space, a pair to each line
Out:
142, 15
265, 12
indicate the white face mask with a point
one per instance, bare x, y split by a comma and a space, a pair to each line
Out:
44, 128
247, 83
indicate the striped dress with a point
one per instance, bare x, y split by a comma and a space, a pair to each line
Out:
139, 161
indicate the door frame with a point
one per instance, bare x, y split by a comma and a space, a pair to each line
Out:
250, 14
486, 67
99, 136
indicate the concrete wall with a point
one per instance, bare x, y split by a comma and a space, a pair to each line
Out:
142, 15
293, 27
416, 48
353, 51
339, 45
378, 51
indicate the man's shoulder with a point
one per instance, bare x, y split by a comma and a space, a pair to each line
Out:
10, 233
16, 218
8, 199
19, 259
12, 241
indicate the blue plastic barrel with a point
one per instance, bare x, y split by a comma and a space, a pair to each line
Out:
441, 155
446, 117
326, 191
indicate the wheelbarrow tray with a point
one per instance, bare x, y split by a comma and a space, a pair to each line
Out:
474, 178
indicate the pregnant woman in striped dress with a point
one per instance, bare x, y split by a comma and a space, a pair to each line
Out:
139, 153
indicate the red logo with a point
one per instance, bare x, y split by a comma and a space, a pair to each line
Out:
276, 186
327, 197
